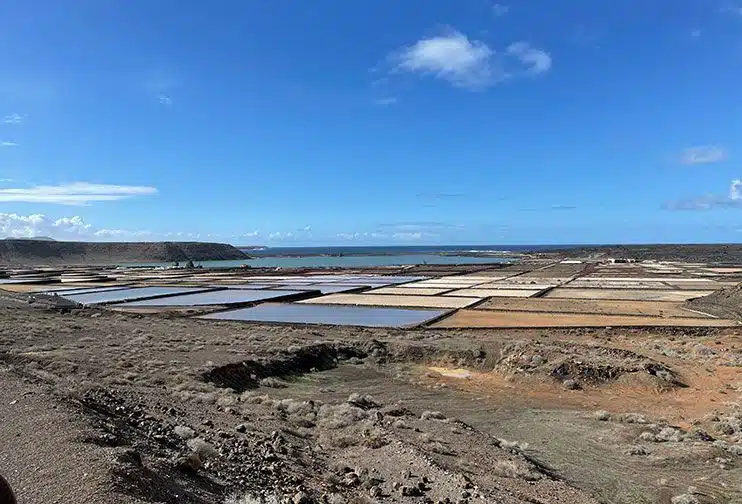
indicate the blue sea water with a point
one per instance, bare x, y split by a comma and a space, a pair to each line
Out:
349, 257
393, 250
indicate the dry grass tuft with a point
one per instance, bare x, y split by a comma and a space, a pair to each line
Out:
340, 416
514, 469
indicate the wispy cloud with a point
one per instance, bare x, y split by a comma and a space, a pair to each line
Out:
439, 195
8, 144
703, 154
164, 99
13, 119
386, 101
465, 63
499, 10
78, 193
535, 60
732, 9
696, 33
710, 201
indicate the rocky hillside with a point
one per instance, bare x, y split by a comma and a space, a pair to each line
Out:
36, 252
726, 303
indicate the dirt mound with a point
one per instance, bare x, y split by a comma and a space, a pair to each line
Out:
581, 364
36, 252
726, 302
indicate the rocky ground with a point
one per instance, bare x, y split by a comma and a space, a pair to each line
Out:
724, 303
102, 407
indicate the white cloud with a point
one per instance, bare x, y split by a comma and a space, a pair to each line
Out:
110, 233
13, 119
407, 236
78, 193
61, 228
164, 99
306, 229
466, 63
536, 60
450, 56
348, 236
8, 144
27, 226
695, 33
251, 234
499, 10
704, 154
281, 236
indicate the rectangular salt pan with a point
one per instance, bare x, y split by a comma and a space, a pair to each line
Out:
222, 297
330, 315
84, 290
129, 294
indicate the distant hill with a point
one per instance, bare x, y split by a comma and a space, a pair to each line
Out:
33, 238
14, 252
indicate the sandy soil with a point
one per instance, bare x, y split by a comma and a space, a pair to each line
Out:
493, 318
625, 294
590, 306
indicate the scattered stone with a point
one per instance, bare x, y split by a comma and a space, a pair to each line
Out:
670, 434
189, 463
201, 448
411, 491
301, 498
702, 435
571, 384
602, 415
362, 401
129, 456
272, 383
637, 450
434, 415
184, 432
242, 428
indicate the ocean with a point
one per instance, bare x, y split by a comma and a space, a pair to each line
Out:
349, 257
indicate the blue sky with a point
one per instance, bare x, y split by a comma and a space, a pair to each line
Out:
371, 122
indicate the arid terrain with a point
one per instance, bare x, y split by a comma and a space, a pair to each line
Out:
56, 253
543, 399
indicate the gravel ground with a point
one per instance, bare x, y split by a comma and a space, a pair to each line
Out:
99, 406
